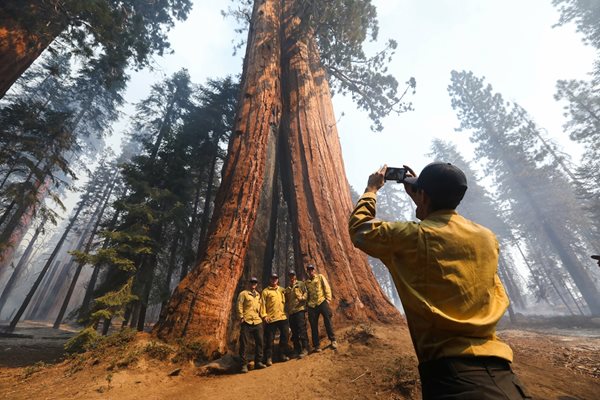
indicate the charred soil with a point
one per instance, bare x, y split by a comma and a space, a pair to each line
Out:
372, 361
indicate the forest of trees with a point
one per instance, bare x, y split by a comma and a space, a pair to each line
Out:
243, 176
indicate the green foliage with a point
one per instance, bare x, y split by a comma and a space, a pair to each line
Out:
158, 350
112, 303
85, 340
340, 28
189, 351
32, 369
585, 14
183, 130
133, 29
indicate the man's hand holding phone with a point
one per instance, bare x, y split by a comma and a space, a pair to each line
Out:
410, 189
385, 173
376, 180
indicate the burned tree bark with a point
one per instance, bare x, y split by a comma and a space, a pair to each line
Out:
316, 183
191, 311
285, 132
26, 30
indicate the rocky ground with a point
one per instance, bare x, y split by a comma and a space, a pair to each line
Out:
372, 361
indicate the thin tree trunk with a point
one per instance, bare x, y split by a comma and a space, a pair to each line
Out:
80, 265
578, 273
106, 326
20, 268
37, 303
89, 292
171, 268
16, 227
204, 222
511, 286
162, 131
36, 284
187, 245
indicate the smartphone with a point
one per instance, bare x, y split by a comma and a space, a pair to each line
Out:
395, 174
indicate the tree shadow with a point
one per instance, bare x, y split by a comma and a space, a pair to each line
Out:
32, 345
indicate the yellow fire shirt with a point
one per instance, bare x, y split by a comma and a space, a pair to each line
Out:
318, 290
248, 307
273, 303
295, 297
445, 270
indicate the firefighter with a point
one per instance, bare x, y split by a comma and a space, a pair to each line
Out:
319, 299
295, 305
248, 308
272, 311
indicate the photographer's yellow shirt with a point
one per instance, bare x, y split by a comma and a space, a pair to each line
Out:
445, 270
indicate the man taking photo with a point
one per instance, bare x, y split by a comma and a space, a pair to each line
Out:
445, 270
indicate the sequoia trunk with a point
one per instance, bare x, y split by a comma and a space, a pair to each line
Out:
201, 305
298, 150
318, 192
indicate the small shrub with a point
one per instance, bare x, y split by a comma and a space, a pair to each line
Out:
189, 351
32, 369
118, 340
83, 341
158, 351
130, 359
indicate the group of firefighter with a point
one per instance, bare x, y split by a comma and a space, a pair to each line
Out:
278, 309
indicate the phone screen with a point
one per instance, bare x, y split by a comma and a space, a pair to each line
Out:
395, 174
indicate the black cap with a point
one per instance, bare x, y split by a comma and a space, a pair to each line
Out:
596, 257
440, 179
274, 275
310, 266
292, 272
254, 279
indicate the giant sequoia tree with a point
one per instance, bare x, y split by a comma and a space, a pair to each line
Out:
285, 142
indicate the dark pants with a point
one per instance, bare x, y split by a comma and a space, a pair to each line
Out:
313, 316
299, 336
470, 378
283, 327
248, 331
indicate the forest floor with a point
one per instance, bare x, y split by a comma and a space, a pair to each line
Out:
372, 361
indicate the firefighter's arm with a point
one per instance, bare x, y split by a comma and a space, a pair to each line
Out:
326, 289
240, 307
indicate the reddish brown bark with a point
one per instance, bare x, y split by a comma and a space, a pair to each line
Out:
302, 147
26, 30
201, 305
318, 189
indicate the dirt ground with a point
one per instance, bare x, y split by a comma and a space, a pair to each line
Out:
372, 361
